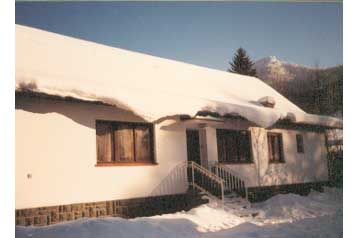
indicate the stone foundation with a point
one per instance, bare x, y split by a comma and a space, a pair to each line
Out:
259, 194
128, 208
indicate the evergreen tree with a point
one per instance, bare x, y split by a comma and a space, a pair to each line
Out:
242, 64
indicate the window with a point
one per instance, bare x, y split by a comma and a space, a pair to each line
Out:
124, 143
234, 146
275, 148
299, 141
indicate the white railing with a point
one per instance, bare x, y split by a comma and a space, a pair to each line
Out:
175, 179
205, 180
232, 181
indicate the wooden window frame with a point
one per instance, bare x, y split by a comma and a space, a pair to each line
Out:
132, 125
299, 144
249, 161
280, 145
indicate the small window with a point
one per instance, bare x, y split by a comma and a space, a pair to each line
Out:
234, 146
120, 143
299, 141
275, 148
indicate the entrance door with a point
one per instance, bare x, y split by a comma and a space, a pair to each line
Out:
193, 146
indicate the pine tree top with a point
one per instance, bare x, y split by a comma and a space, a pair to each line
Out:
242, 64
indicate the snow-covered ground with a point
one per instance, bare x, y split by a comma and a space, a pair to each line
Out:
290, 215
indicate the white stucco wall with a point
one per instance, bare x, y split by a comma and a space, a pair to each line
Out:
56, 145
310, 166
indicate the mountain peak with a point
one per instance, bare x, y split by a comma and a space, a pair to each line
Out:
272, 58
271, 68
267, 60
263, 62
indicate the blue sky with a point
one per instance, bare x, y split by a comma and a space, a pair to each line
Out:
202, 33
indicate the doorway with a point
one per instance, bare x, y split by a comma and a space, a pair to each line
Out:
193, 146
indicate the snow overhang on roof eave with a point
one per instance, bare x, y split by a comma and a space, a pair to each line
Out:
210, 116
312, 120
34, 93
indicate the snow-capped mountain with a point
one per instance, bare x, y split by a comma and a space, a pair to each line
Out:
271, 68
301, 84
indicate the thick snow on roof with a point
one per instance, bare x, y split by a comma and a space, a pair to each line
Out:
151, 87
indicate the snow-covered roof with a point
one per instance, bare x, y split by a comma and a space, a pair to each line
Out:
151, 87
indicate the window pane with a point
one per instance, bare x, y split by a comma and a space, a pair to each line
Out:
244, 146
124, 143
280, 157
275, 147
221, 146
269, 145
104, 141
272, 148
299, 141
232, 146
142, 144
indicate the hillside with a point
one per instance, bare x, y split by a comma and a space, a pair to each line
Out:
315, 90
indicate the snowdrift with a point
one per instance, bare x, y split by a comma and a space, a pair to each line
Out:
289, 215
149, 86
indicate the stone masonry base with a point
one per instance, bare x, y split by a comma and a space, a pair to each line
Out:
259, 194
127, 208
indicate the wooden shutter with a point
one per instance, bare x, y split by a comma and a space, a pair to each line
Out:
143, 144
104, 141
124, 143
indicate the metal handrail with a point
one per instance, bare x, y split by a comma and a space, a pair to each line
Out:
226, 168
231, 178
196, 167
207, 172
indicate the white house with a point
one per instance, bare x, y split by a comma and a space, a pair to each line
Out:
104, 131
